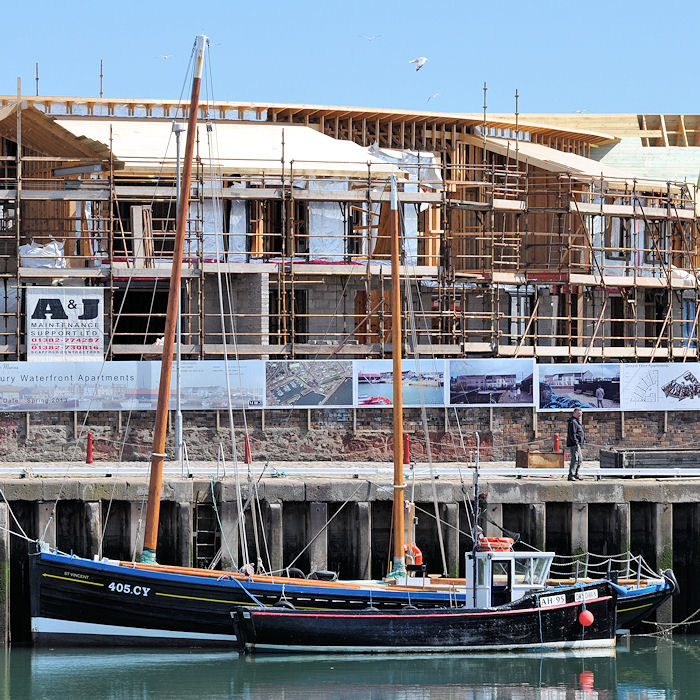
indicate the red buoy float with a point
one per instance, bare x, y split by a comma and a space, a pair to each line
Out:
495, 544
586, 618
414, 553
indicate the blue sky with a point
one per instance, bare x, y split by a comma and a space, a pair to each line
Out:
562, 56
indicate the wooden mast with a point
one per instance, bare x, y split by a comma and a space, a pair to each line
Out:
399, 561
157, 456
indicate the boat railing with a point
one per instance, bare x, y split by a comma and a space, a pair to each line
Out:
587, 565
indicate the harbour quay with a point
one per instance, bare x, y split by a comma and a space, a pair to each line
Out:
341, 523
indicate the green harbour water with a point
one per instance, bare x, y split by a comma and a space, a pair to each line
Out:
641, 668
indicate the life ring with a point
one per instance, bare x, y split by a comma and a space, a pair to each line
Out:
414, 554
495, 544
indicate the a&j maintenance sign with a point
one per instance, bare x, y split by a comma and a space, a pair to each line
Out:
65, 324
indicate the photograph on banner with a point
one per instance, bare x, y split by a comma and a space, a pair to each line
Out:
72, 386
491, 381
667, 386
121, 385
422, 383
590, 387
203, 384
308, 383
64, 324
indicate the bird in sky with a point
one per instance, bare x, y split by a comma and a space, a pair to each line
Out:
433, 96
420, 62
165, 58
370, 38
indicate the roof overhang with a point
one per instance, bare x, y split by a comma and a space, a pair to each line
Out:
149, 146
43, 134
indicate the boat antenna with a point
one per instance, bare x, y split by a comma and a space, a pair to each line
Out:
399, 562
150, 541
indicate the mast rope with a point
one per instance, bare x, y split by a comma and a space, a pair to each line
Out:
14, 517
424, 413
212, 144
324, 528
221, 527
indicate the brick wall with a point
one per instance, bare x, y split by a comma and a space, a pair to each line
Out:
329, 435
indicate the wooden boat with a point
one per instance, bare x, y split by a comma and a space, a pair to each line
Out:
77, 601
575, 618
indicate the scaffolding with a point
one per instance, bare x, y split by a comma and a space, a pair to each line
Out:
514, 245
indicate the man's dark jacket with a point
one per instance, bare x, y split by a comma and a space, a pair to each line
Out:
574, 435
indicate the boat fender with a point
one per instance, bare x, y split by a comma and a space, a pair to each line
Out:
409, 607
323, 575
284, 604
586, 618
415, 554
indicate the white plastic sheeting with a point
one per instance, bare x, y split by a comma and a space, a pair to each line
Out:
423, 170
142, 144
421, 166
212, 218
49, 255
327, 223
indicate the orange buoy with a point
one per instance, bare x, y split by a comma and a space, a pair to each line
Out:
495, 544
586, 618
586, 680
415, 553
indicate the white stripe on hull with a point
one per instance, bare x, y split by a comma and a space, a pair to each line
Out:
581, 644
50, 625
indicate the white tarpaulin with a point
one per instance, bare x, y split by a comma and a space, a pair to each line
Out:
327, 223
234, 148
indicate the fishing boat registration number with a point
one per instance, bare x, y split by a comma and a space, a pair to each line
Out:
560, 599
128, 588
552, 600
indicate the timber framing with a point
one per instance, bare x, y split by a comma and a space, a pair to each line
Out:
516, 245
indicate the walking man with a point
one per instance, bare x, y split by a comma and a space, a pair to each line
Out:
600, 394
574, 440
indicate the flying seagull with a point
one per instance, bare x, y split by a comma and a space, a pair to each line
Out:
420, 62
433, 96
370, 38
165, 58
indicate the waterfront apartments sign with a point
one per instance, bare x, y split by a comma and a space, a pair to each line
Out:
65, 324
70, 383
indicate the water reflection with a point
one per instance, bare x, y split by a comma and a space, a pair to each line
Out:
648, 668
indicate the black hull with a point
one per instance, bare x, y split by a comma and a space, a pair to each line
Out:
72, 604
80, 602
527, 624
636, 606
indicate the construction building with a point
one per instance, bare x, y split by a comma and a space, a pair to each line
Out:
566, 238
517, 241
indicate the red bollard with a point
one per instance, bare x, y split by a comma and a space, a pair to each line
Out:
406, 449
557, 446
89, 459
248, 458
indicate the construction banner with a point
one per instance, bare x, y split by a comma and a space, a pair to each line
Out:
65, 323
590, 387
668, 386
